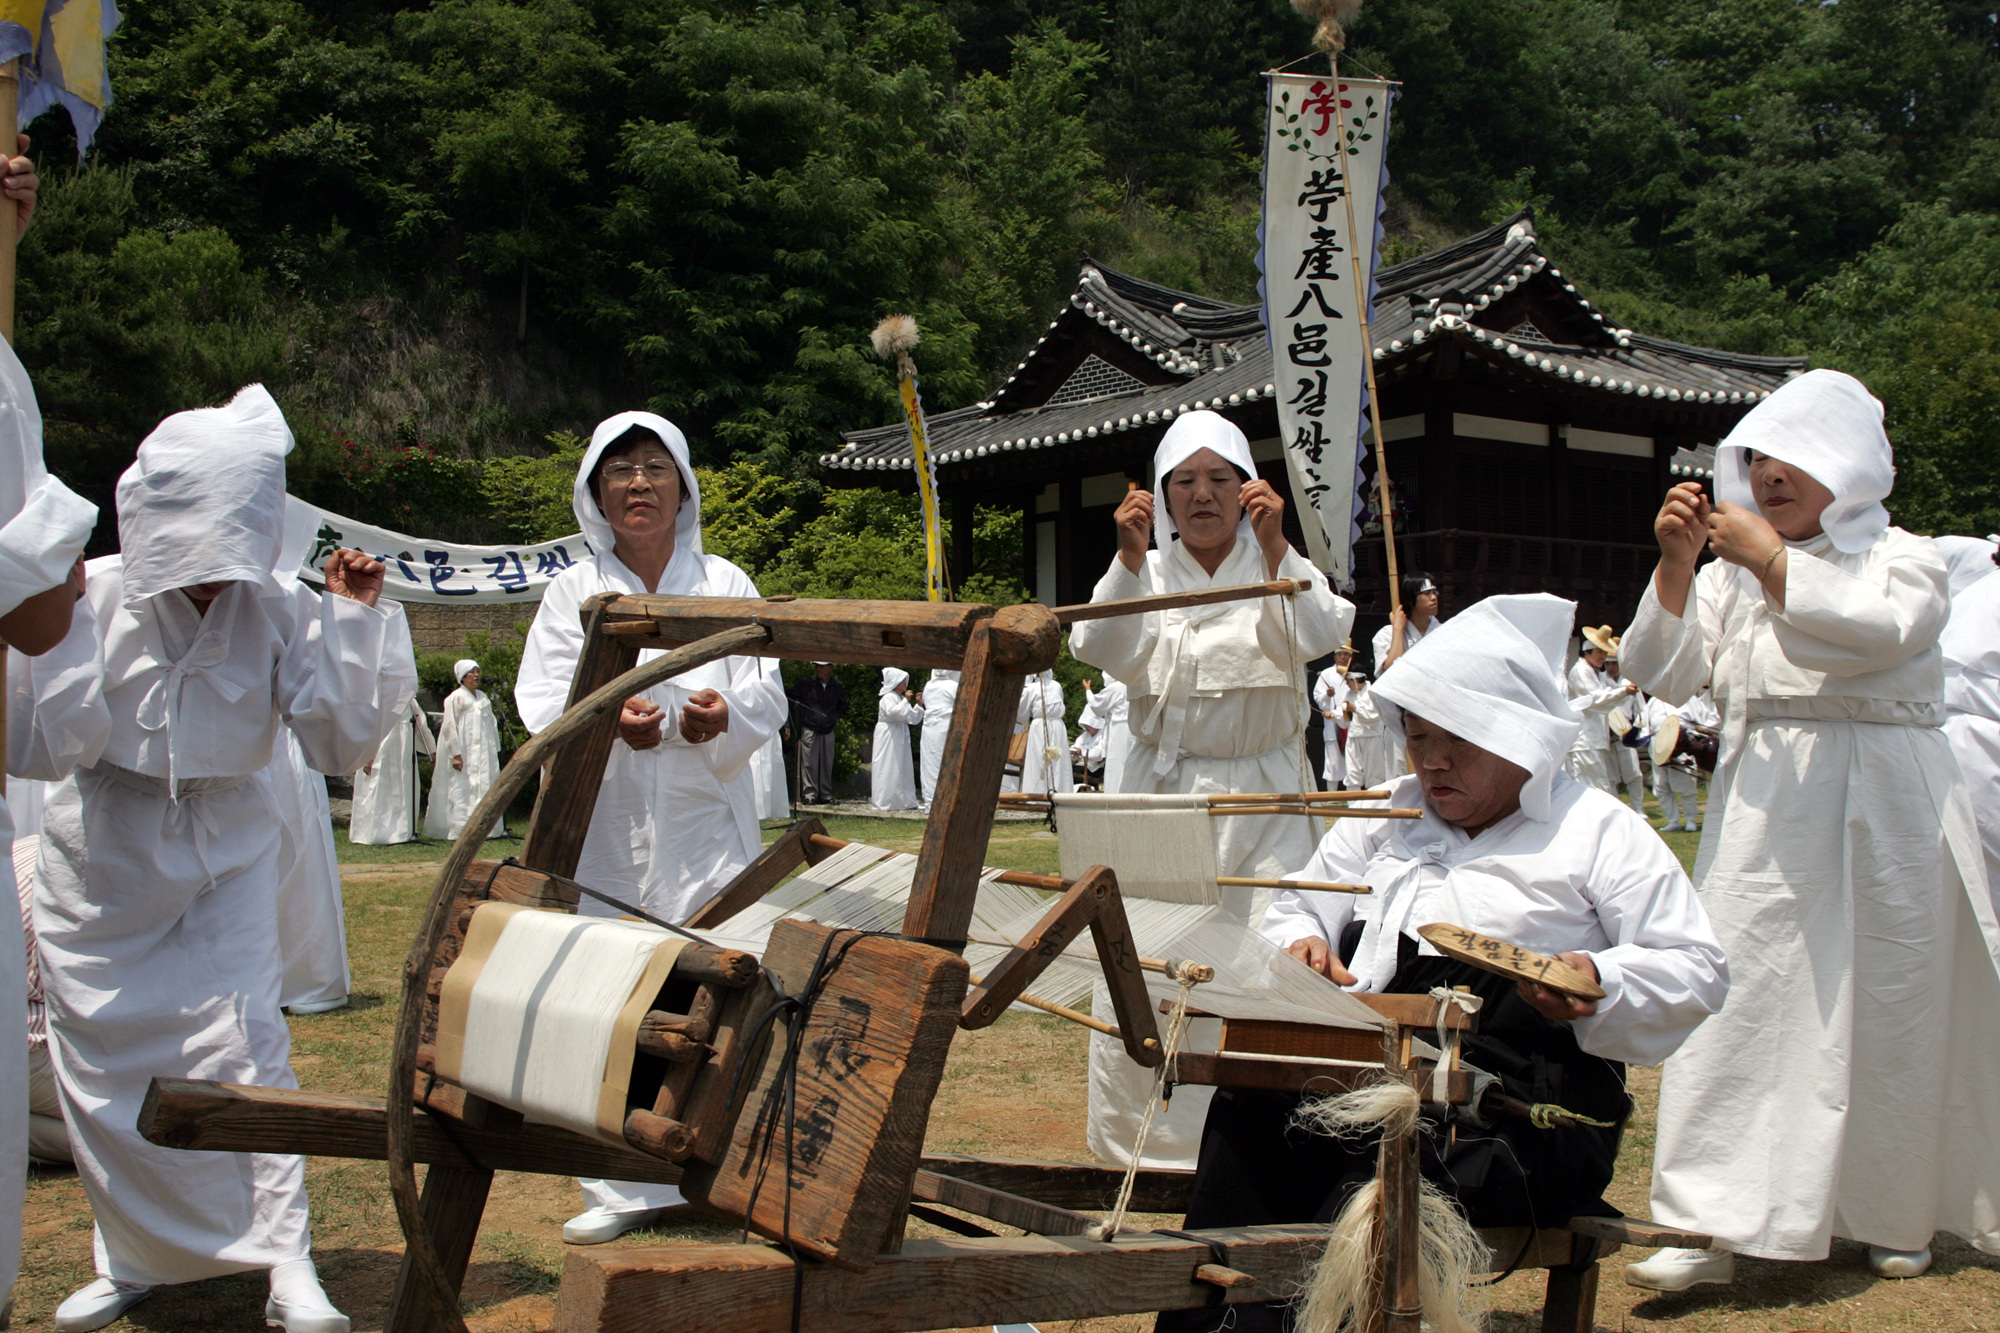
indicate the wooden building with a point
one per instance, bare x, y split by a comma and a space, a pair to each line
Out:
1530, 436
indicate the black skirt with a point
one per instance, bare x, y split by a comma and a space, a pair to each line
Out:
1258, 1168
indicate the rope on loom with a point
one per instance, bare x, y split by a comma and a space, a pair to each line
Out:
1547, 1115
1176, 1032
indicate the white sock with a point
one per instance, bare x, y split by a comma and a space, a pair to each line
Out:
296, 1283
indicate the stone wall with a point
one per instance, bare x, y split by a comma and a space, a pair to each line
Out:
442, 627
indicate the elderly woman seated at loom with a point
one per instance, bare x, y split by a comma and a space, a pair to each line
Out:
1512, 848
1218, 697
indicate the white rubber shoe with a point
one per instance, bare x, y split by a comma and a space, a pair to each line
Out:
595, 1227
1898, 1263
1677, 1270
102, 1302
298, 1303
317, 1006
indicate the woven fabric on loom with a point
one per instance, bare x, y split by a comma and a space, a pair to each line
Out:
532, 1008
1162, 847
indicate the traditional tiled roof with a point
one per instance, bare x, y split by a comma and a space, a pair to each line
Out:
1478, 293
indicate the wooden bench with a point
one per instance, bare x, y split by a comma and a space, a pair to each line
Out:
751, 1286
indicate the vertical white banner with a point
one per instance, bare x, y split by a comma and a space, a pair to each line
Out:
1324, 139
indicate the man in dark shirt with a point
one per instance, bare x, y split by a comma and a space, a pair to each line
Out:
818, 702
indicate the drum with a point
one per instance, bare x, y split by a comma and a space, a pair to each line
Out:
1676, 737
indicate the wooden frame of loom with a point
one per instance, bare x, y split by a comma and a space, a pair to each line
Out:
863, 1101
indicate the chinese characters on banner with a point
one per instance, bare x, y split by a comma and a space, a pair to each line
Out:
1324, 139
419, 570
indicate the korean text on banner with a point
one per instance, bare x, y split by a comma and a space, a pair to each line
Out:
1324, 139
421, 570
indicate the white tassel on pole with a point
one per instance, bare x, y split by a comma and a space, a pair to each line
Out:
1450, 1253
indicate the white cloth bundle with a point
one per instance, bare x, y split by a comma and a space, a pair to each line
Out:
541, 1010
1161, 845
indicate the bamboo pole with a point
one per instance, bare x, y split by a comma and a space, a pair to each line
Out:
1171, 601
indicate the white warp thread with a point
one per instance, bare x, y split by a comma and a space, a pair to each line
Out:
1162, 855
540, 1017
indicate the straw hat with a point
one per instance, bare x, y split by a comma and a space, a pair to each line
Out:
1346, 647
1602, 639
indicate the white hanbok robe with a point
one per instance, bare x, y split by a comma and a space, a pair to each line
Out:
312, 919
384, 810
1679, 777
1370, 756
1593, 694
157, 912
1850, 1089
1115, 703
1592, 878
1971, 645
1328, 695
1216, 706
673, 824
1394, 756
1042, 714
940, 699
892, 776
767, 767
467, 732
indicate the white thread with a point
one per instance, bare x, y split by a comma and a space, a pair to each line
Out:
1176, 1030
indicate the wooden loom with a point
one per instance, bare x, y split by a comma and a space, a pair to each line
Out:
835, 1136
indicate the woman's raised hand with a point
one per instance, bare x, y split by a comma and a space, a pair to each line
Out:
1134, 521
1681, 527
1267, 520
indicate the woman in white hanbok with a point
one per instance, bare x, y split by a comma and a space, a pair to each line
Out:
892, 776
1218, 699
1043, 716
43, 528
156, 894
384, 810
940, 697
467, 758
676, 816
1852, 1086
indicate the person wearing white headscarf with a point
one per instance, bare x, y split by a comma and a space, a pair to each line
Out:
1513, 848
156, 896
676, 816
1217, 698
1329, 696
892, 774
1114, 704
1042, 714
1594, 695
43, 528
467, 757
384, 810
1849, 1089
940, 699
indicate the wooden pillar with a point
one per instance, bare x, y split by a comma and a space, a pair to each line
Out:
1029, 538
1069, 514
1397, 1169
964, 522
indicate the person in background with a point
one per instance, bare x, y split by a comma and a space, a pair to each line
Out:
1849, 1088
1674, 782
1369, 755
892, 769
384, 809
676, 816
1088, 747
1328, 697
939, 698
1594, 694
1622, 758
156, 892
1407, 626
818, 703
1043, 715
468, 757
1218, 700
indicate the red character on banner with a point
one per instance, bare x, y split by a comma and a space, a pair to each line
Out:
1326, 105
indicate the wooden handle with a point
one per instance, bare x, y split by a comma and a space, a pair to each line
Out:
1508, 960
1134, 606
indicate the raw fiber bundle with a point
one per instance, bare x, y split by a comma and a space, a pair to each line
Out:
1449, 1251
1332, 17
893, 338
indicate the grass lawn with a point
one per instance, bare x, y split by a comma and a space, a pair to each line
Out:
1016, 1088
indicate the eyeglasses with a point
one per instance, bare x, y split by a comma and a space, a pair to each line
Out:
657, 471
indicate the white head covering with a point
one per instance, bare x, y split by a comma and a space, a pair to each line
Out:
1493, 675
1969, 559
1190, 434
298, 537
893, 679
943, 674
1830, 426
684, 569
204, 502
460, 667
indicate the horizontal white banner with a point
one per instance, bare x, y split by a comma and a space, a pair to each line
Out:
421, 570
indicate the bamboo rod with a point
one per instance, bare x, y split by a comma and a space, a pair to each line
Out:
1287, 807
1073, 1015
1035, 798
1170, 601
1309, 885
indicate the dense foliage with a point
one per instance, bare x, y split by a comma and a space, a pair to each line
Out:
442, 232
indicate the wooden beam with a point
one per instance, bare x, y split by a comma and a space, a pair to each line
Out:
1076, 1185
204, 1116
1169, 601
1269, 1073
453, 1200
1615, 1231
931, 1283
872, 633
1012, 1210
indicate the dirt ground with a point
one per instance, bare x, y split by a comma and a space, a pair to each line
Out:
1015, 1089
